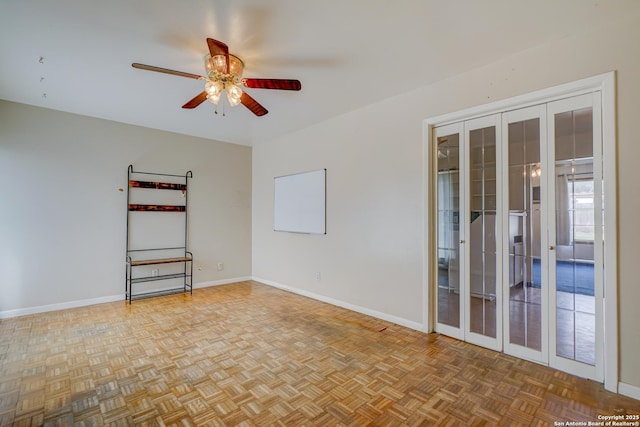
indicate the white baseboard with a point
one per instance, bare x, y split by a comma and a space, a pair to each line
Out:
60, 306
6, 314
220, 282
373, 313
629, 390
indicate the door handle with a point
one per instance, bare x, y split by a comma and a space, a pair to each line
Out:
552, 248
461, 241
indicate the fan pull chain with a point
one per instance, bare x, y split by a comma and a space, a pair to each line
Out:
216, 110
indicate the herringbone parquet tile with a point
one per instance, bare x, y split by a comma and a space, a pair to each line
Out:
250, 355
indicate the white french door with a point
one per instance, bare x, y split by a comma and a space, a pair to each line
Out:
450, 230
481, 243
525, 289
575, 232
519, 225
467, 217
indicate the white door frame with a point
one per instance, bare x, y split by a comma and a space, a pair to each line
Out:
605, 85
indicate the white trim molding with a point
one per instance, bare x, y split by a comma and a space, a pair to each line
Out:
629, 390
221, 282
59, 306
358, 309
6, 314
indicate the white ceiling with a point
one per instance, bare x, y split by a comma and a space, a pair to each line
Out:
346, 53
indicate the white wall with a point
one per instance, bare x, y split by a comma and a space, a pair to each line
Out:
62, 218
371, 256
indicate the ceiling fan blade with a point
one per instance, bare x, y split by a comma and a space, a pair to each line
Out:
197, 100
253, 105
166, 71
281, 84
218, 48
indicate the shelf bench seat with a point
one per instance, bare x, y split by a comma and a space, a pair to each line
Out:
159, 261
157, 208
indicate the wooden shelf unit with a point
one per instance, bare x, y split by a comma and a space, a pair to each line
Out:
158, 256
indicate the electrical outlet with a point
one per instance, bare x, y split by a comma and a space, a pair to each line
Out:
155, 272
318, 277
220, 266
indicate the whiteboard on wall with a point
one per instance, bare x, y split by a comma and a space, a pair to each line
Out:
299, 202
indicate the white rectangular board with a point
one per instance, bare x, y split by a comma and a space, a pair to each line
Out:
299, 202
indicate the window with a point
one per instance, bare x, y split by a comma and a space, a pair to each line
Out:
581, 205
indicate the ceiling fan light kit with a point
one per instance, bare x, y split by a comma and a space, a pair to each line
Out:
224, 75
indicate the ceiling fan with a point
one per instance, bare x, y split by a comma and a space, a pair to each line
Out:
224, 75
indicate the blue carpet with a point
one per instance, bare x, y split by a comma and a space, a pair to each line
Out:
572, 277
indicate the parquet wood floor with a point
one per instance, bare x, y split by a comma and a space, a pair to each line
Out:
247, 354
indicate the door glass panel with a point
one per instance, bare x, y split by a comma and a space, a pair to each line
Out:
482, 235
525, 284
448, 230
575, 227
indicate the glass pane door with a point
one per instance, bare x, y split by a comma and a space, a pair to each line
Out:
482, 219
575, 251
520, 232
448, 256
526, 287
